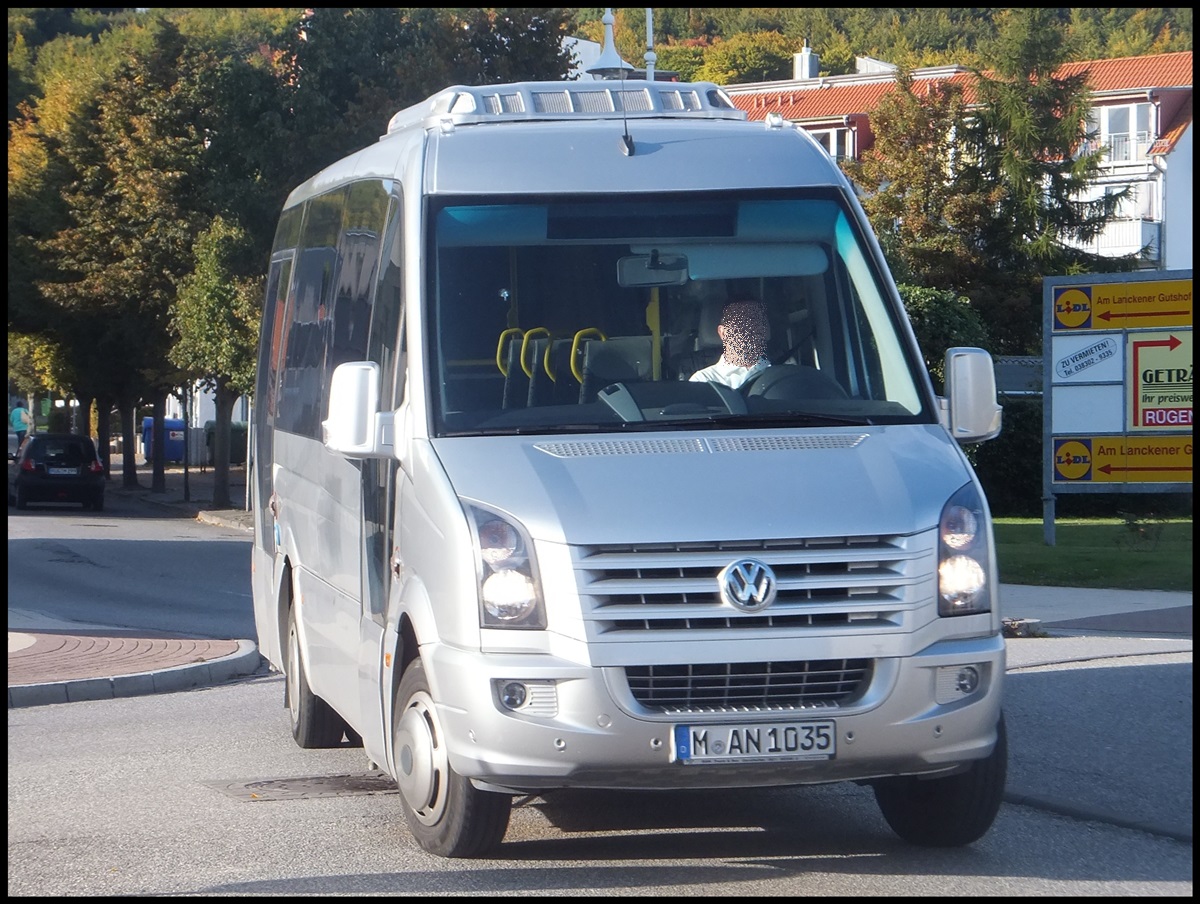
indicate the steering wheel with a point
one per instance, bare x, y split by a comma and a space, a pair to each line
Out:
794, 382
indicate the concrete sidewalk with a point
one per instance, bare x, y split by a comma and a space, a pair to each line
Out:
54, 661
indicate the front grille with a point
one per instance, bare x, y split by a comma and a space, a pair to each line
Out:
865, 583
748, 686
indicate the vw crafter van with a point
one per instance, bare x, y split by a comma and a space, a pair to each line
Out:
504, 541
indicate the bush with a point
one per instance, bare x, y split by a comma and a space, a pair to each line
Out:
941, 320
1010, 466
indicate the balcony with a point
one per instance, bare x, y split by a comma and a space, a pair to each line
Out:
1121, 148
1123, 237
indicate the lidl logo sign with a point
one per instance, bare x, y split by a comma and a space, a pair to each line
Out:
1072, 459
1073, 307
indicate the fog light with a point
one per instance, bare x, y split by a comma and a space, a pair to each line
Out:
968, 679
957, 682
513, 695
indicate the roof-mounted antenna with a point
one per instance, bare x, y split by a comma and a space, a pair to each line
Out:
609, 65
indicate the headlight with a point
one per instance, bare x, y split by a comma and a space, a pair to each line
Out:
964, 555
509, 593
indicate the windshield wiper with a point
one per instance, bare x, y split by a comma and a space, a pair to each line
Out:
789, 419
531, 430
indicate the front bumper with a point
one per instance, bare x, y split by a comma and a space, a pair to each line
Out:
596, 736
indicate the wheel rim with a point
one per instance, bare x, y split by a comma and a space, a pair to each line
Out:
422, 765
292, 678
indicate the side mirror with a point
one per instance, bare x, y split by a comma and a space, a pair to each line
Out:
971, 413
354, 426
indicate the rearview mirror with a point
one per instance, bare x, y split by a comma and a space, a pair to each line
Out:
652, 269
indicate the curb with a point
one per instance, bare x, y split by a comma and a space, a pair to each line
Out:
220, 520
245, 662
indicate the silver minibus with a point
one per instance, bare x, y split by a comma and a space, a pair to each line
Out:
506, 543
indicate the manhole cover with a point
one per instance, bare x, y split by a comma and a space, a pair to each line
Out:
308, 787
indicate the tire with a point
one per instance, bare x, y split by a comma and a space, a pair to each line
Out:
315, 724
98, 502
22, 498
947, 812
446, 814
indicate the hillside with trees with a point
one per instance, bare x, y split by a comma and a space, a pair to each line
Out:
741, 43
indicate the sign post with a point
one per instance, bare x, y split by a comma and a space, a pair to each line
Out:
1117, 385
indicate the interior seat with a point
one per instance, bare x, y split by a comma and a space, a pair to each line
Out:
701, 346
541, 386
508, 359
619, 359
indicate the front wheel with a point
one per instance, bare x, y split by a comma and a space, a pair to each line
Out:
314, 722
446, 814
947, 812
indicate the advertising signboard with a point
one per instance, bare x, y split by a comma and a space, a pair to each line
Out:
1117, 394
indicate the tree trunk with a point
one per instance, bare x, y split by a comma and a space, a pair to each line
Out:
158, 437
128, 410
225, 399
103, 433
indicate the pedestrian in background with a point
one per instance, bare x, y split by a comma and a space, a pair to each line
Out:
21, 421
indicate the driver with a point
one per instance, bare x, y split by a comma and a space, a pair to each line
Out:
743, 332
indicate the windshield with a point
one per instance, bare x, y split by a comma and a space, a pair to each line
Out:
606, 315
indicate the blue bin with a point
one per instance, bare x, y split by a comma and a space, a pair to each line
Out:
174, 448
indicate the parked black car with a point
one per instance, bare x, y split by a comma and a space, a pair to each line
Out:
57, 467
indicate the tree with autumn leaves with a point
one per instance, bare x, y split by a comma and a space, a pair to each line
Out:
143, 198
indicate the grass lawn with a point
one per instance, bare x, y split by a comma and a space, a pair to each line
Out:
1139, 554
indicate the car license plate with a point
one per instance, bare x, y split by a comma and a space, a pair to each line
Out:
761, 742
62, 472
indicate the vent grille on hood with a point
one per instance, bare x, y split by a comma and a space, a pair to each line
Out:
595, 447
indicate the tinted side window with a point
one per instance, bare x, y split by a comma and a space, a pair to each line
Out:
302, 393
358, 256
276, 314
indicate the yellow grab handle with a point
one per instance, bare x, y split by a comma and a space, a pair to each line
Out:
500, 347
653, 321
576, 370
539, 331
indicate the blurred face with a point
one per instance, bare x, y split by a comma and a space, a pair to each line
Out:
743, 330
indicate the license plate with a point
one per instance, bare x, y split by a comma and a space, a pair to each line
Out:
61, 472
761, 742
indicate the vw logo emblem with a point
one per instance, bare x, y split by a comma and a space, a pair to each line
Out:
747, 584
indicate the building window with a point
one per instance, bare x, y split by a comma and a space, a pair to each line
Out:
835, 141
1124, 129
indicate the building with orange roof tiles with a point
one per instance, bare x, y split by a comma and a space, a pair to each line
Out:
1142, 114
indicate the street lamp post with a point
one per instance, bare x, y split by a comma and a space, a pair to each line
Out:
651, 56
